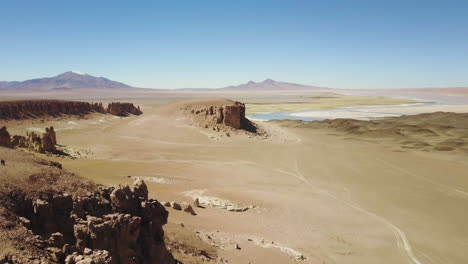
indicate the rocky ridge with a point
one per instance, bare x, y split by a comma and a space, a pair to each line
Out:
17, 110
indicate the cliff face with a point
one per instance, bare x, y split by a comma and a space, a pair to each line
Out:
221, 115
39, 143
40, 108
234, 115
110, 225
56, 108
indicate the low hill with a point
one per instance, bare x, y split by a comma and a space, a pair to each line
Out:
438, 131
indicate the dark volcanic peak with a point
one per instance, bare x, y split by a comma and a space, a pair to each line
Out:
271, 85
65, 81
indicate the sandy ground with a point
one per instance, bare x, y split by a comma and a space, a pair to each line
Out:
316, 197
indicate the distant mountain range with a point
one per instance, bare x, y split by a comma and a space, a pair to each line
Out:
66, 81
271, 85
76, 81
73, 80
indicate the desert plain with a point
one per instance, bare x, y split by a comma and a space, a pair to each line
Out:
299, 192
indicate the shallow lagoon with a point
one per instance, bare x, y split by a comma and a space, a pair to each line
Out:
358, 112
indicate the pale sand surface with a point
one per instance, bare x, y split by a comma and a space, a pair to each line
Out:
331, 198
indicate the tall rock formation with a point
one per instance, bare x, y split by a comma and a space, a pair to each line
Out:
49, 140
5, 139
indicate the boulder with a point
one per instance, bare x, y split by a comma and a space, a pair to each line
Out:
176, 206
196, 202
187, 208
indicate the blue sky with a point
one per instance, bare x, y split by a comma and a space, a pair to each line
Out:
216, 43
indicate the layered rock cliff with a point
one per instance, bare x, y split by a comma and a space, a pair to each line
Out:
55, 108
229, 115
40, 108
221, 114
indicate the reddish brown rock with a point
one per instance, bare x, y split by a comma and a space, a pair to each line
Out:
5, 139
221, 115
56, 108
123, 109
41, 108
234, 115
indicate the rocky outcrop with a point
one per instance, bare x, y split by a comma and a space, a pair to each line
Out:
56, 108
42, 108
223, 113
112, 225
180, 207
5, 139
123, 109
201, 200
39, 143
229, 115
